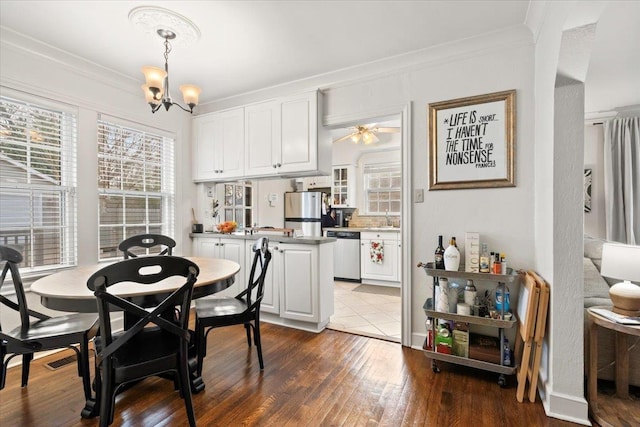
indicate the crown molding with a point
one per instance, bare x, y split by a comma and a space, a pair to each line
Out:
512, 37
22, 44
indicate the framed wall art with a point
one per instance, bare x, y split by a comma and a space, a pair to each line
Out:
472, 142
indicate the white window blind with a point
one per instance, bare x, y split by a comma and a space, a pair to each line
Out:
135, 184
383, 188
38, 182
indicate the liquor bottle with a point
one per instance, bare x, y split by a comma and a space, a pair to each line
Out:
484, 259
497, 267
452, 257
439, 255
503, 262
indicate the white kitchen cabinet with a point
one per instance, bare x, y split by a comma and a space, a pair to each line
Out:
343, 187
271, 297
218, 146
306, 293
313, 182
282, 138
387, 270
262, 138
225, 248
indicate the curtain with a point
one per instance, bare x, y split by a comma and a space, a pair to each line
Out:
622, 179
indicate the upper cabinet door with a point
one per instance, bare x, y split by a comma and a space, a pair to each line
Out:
232, 144
218, 145
262, 138
298, 147
343, 187
204, 130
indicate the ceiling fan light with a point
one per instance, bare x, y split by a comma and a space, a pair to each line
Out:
190, 93
355, 137
368, 138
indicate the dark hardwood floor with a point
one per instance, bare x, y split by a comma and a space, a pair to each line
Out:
327, 379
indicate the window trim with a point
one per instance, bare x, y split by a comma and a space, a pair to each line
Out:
167, 180
366, 190
64, 187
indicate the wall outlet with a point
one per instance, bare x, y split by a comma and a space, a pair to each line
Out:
418, 195
210, 191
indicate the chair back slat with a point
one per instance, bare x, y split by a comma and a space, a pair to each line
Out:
130, 271
261, 259
147, 241
11, 258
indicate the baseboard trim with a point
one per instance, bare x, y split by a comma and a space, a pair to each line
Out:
567, 408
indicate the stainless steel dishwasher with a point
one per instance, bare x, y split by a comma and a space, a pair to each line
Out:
346, 255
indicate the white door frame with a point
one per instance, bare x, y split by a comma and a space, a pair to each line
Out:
404, 111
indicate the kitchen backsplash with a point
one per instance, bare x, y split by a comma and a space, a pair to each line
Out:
366, 221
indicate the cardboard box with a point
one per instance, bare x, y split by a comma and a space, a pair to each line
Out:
485, 348
472, 252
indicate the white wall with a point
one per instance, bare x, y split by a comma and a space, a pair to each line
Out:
518, 220
547, 19
594, 221
567, 283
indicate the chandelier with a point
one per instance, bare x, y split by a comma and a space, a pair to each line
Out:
156, 88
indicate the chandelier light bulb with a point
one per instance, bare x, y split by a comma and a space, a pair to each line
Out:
190, 93
154, 77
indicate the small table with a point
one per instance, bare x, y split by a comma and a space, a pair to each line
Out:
67, 291
621, 357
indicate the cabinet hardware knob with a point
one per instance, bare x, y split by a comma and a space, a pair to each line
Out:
274, 166
279, 164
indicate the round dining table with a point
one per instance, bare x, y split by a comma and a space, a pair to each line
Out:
67, 291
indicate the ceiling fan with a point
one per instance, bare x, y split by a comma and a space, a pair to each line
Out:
366, 133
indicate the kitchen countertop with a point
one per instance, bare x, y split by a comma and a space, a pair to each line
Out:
391, 229
305, 240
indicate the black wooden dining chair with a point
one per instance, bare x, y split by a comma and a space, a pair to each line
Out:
243, 309
146, 241
45, 333
157, 343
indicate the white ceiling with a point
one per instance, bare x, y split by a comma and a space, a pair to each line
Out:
247, 46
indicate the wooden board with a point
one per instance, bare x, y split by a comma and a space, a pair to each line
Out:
541, 324
527, 310
527, 307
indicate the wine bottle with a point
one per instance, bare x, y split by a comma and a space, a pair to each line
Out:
452, 257
439, 255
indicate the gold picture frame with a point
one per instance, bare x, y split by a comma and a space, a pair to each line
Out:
472, 142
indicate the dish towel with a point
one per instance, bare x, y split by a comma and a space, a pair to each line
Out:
376, 251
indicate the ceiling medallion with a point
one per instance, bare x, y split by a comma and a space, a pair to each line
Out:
150, 19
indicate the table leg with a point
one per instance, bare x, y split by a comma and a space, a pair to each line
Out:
622, 366
593, 367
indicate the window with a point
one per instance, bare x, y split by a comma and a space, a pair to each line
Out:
383, 188
237, 205
135, 183
38, 181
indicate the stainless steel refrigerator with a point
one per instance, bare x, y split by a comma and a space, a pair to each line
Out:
303, 212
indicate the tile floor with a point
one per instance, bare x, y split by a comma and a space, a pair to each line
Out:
375, 313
